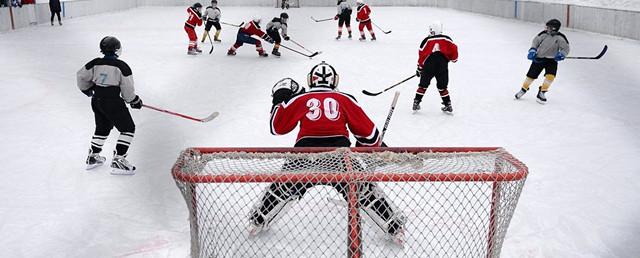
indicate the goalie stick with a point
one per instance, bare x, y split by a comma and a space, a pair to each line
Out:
321, 20
393, 107
383, 31
203, 120
604, 50
391, 87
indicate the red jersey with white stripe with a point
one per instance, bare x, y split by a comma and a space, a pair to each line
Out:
322, 112
437, 43
252, 28
194, 18
363, 13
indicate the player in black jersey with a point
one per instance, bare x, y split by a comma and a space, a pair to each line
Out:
109, 83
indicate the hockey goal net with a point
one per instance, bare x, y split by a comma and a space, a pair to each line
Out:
286, 4
354, 202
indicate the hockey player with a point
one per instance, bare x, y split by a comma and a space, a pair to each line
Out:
109, 83
324, 114
212, 17
195, 19
284, 4
244, 36
435, 52
343, 17
363, 12
547, 49
273, 28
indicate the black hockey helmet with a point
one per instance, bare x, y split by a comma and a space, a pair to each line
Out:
284, 16
110, 45
554, 24
196, 6
323, 75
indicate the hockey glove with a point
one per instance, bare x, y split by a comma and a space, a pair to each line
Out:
532, 53
286, 37
358, 20
559, 56
335, 18
418, 71
136, 103
88, 92
281, 95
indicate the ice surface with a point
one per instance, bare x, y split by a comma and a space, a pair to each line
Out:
581, 198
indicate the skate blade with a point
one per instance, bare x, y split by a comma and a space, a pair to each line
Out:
255, 230
541, 102
398, 239
92, 166
122, 172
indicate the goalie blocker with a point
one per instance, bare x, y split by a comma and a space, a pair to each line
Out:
321, 125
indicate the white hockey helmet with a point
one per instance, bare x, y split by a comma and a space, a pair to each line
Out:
256, 19
323, 75
435, 28
359, 2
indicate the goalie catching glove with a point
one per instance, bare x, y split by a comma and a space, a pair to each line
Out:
284, 90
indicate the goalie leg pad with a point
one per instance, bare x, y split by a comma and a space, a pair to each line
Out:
276, 200
376, 205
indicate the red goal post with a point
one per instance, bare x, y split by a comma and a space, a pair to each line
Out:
457, 202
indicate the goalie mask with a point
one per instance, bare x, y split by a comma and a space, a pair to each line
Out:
323, 75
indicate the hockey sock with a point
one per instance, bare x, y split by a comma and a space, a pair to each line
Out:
97, 141
339, 31
527, 82
124, 140
444, 94
217, 36
192, 44
548, 80
420, 93
204, 35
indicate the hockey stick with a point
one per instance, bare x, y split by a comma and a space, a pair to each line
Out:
203, 120
293, 50
385, 32
391, 87
393, 107
210, 41
302, 46
321, 20
233, 24
604, 50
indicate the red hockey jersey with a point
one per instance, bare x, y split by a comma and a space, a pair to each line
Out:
437, 43
252, 29
194, 18
363, 13
324, 113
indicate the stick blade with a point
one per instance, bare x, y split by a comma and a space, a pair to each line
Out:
210, 117
604, 50
315, 54
365, 92
387, 32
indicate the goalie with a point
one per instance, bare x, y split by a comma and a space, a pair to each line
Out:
324, 114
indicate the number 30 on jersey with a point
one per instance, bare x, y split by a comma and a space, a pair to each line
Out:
328, 107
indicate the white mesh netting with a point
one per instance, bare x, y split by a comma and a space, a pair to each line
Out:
371, 202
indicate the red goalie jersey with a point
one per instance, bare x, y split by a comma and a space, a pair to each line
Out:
324, 113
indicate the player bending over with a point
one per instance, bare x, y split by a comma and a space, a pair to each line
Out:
344, 17
547, 49
244, 36
273, 28
109, 83
212, 17
195, 19
325, 116
436, 50
363, 11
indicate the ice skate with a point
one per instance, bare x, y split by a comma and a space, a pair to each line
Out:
541, 98
192, 52
94, 160
350, 37
120, 166
416, 105
338, 37
263, 54
520, 93
231, 52
198, 50
373, 38
362, 38
217, 40
447, 109
275, 53
395, 232
60, 23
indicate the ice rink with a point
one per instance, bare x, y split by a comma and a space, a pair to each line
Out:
580, 200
